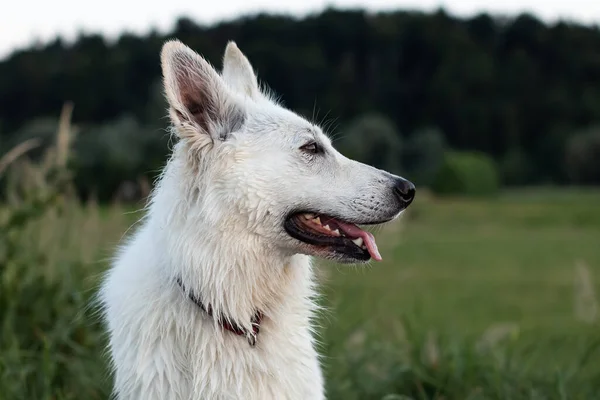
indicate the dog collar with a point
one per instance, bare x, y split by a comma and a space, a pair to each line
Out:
226, 323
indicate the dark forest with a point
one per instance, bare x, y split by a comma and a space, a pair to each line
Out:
524, 93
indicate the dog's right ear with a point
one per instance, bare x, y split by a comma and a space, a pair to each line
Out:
199, 100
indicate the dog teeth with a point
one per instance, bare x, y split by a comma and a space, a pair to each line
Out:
327, 227
317, 221
336, 232
308, 216
358, 242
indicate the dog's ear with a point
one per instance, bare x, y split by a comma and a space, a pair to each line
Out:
200, 101
238, 72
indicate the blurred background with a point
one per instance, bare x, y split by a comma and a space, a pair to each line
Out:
489, 280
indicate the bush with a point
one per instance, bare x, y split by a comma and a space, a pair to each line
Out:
517, 169
49, 341
109, 154
373, 139
583, 157
466, 173
115, 152
42, 130
424, 155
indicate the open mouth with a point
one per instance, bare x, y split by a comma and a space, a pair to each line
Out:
332, 235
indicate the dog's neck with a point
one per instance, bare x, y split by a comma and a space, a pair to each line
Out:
249, 275
227, 323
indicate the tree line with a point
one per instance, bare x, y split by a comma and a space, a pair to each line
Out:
524, 92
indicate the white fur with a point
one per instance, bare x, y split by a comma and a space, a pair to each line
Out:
216, 220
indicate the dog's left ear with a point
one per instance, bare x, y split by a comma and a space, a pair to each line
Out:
238, 72
200, 102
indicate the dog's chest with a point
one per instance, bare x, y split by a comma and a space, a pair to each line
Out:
165, 347
280, 366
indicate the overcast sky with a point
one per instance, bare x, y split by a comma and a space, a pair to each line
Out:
23, 21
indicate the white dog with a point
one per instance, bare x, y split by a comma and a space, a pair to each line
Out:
212, 298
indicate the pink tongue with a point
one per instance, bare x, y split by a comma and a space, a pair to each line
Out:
355, 232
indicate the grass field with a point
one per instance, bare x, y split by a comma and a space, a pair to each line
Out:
496, 298
475, 299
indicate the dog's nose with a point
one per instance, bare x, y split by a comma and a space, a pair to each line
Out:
405, 191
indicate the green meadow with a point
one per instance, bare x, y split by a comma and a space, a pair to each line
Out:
475, 299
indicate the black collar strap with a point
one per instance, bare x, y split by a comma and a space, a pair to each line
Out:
226, 324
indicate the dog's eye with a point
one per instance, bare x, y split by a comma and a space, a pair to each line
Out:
311, 147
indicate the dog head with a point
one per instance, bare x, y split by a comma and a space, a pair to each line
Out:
253, 167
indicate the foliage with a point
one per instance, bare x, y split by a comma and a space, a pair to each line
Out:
43, 128
45, 328
423, 365
490, 84
516, 169
464, 173
374, 140
474, 300
583, 157
424, 155
427, 323
117, 151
